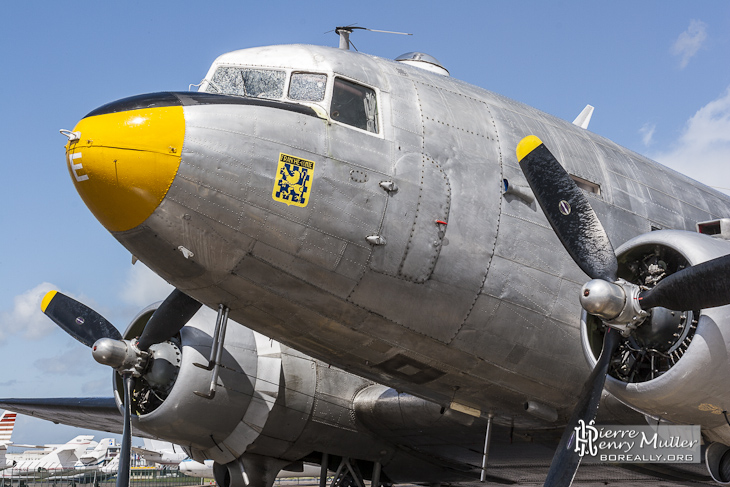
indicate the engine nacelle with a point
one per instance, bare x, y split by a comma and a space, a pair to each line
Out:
272, 406
165, 403
717, 460
275, 406
675, 365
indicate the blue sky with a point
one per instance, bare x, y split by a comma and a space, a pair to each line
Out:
658, 73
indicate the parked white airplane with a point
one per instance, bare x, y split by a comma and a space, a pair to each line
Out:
7, 423
160, 452
102, 453
110, 468
58, 461
94, 465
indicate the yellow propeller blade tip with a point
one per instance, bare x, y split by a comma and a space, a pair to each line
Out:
527, 145
47, 300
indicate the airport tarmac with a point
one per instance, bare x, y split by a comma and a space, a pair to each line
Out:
624, 476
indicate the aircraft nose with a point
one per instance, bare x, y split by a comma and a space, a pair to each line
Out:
122, 159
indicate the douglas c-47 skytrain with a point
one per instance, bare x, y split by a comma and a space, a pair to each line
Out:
382, 243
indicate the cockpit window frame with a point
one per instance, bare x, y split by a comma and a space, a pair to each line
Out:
240, 68
323, 107
378, 105
207, 82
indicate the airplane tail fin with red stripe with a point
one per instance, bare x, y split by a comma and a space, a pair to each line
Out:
7, 423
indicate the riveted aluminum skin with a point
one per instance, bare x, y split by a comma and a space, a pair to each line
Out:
541, 411
482, 312
272, 402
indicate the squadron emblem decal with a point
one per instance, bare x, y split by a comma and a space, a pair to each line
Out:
293, 182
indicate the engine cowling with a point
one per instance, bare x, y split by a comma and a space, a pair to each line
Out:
675, 365
222, 427
272, 406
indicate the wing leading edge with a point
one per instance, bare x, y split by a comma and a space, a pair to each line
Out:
97, 413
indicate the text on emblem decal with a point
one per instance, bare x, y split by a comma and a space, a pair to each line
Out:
293, 182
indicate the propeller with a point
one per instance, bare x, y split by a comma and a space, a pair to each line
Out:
174, 312
78, 320
568, 210
109, 348
704, 285
620, 304
565, 456
123, 472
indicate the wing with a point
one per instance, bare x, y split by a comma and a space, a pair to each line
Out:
514, 459
97, 413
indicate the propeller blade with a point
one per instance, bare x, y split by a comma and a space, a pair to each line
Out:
568, 210
174, 312
701, 286
77, 319
125, 455
565, 461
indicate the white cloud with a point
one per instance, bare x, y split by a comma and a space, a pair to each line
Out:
143, 287
647, 133
690, 41
703, 149
26, 316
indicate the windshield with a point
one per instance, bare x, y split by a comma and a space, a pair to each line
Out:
256, 83
307, 86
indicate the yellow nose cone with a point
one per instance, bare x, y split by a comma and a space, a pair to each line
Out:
123, 163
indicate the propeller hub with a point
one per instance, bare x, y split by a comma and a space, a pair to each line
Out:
603, 299
616, 303
119, 354
110, 352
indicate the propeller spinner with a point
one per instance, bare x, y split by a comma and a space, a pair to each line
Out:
623, 306
130, 358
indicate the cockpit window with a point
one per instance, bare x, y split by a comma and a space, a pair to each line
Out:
256, 83
263, 83
354, 105
307, 86
228, 80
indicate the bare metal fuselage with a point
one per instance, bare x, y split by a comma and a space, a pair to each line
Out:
471, 301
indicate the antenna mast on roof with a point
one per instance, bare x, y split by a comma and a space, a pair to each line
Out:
344, 33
